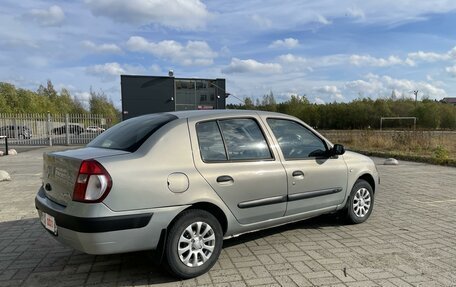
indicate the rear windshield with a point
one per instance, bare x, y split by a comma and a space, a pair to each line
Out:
129, 135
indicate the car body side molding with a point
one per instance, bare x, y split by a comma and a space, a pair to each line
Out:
262, 201
290, 197
310, 194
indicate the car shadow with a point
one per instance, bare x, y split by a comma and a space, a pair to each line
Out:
31, 257
322, 221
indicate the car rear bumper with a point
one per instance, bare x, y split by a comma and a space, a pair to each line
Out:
106, 231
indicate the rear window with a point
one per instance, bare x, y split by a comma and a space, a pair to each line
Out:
131, 134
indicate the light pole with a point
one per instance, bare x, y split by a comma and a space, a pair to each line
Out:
416, 96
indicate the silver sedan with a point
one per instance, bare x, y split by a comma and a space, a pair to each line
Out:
180, 182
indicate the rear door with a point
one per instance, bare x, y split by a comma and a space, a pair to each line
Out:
235, 158
315, 181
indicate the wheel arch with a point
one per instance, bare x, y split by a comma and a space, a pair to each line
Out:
370, 179
216, 211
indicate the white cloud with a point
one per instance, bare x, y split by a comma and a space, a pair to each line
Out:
341, 59
431, 57
332, 91
319, 101
82, 97
53, 16
251, 66
261, 22
102, 48
288, 43
323, 20
428, 56
375, 85
451, 70
367, 60
327, 89
111, 71
179, 14
193, 53
292, 59
356, 12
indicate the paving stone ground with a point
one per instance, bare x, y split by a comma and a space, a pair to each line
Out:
410, 240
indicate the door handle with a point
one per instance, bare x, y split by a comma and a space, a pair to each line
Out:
298, 173
224, 178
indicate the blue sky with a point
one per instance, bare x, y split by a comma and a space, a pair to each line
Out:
327, 50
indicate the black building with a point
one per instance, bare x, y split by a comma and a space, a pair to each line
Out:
151, 94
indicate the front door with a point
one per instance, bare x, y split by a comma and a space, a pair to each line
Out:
235, 158
315, 180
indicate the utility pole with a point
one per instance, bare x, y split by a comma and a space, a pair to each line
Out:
416, 96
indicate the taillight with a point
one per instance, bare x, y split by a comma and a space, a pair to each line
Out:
93, 182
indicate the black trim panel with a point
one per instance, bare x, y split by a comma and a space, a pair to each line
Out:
95, 225
310, 194
262, 201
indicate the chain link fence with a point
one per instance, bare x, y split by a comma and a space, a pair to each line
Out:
50, 129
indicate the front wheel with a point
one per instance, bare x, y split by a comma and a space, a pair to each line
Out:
194, 243
360, 203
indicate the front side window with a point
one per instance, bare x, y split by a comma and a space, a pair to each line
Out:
295, 140
232, 139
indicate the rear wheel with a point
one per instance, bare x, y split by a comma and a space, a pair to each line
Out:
194, 243
360, 203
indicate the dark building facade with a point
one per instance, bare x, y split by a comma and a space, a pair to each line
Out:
154, 94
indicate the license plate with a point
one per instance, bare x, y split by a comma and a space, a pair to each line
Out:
48, 222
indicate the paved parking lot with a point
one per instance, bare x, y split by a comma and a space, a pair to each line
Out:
410, 240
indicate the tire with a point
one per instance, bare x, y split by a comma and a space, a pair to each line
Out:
195, 257
360, 203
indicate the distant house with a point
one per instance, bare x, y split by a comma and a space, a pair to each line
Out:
449, 101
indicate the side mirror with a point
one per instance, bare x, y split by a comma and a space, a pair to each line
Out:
337, 149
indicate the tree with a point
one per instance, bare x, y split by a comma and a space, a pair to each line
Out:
64, 103
9, 97
269, 103
48, 91
99, 104
248, 103
448, 116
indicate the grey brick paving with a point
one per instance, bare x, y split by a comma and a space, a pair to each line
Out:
410, 240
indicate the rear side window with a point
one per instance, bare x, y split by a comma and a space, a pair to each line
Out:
129, 135
232, 139
210, 141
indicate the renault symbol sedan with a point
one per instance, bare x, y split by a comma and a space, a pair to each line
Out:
181, 182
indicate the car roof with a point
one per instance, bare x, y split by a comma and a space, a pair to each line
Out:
197, 114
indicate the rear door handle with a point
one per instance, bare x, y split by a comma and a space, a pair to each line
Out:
224, 178
298, 173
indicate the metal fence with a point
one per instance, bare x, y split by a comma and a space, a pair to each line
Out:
51, 129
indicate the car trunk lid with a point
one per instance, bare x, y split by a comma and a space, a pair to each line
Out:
60, 170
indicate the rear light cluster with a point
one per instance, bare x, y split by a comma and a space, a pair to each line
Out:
93, 182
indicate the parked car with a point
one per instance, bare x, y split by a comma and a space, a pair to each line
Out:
181, 182
21, 132
72, 129
95, 129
